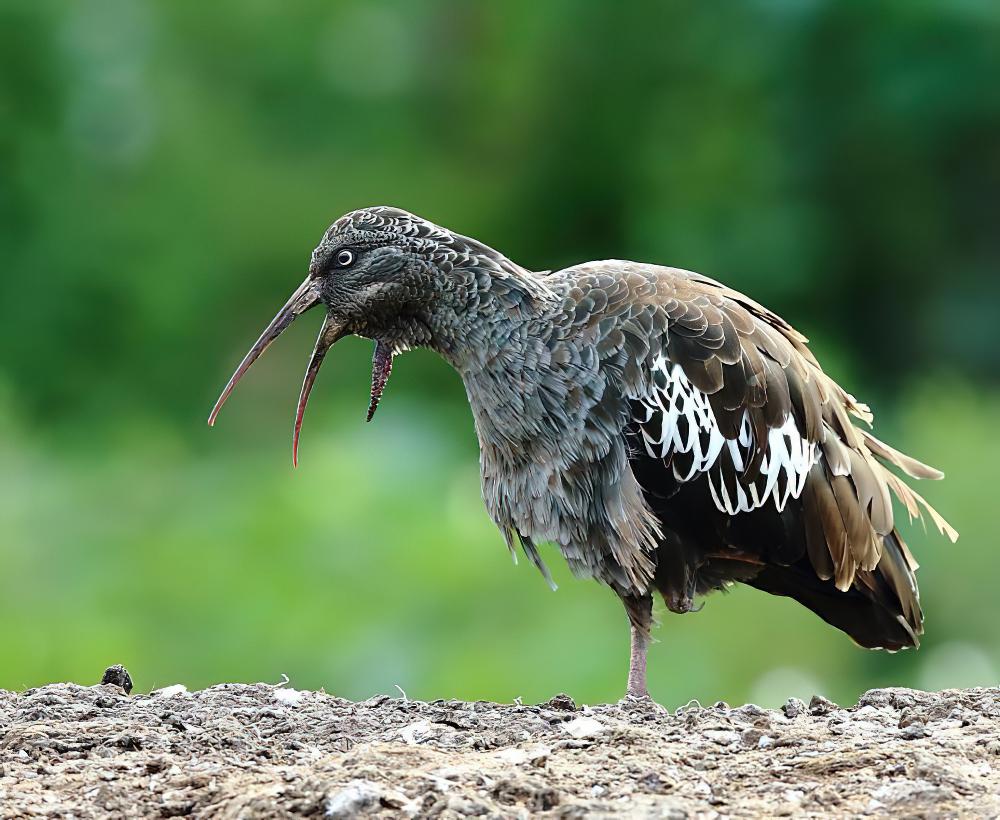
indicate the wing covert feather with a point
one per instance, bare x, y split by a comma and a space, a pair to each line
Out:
740, 401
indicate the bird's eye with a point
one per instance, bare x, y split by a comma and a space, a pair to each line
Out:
344, 258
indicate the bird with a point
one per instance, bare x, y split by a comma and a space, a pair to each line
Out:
669, 435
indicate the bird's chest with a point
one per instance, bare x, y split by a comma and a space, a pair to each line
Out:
545, 436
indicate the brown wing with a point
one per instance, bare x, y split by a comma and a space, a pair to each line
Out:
759, 378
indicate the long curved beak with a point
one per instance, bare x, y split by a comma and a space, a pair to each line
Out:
304, 298
328, 334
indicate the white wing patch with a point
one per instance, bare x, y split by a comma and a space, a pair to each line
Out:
679, 420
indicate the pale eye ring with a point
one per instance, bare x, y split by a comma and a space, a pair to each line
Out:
344, 258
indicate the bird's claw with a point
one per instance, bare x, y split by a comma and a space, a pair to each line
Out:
641, 704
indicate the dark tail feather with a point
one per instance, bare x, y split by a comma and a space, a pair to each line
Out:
880, 611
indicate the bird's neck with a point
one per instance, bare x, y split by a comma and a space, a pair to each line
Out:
483, 315
495, 332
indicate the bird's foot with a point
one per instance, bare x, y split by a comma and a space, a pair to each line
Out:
641, 704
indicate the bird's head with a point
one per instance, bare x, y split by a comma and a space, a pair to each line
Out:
387, 275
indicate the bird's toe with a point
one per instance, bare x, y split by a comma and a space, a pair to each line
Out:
641, 704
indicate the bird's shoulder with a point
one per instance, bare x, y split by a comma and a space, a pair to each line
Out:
723, 340
648, 285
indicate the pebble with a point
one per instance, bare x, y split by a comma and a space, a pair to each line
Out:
584, 726
171, 691
118, 675
724, 737
416, 732
289, 697
352, 800
818, 705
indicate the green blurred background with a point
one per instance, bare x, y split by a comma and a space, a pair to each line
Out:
165, 170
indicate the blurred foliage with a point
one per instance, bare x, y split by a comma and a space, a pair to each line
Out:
165, 169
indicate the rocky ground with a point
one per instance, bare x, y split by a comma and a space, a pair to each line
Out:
271, 751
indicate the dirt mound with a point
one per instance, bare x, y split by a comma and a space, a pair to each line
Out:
269, 751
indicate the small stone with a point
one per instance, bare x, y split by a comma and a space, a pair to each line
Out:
910, 717
793, 708
171, 691
561, 703
652, 782
724, 737
751, 710
464, 807
175, 807
118, 675
818, 705
875, 697
417, 732
914, 732
751, 736
289, 697
353, 799
893, 698
514, 756
584, 726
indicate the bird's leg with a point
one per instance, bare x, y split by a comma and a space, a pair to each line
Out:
640, 616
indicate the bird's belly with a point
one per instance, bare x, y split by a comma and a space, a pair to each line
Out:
519, 497
592, 511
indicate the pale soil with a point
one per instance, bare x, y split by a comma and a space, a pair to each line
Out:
262, 751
